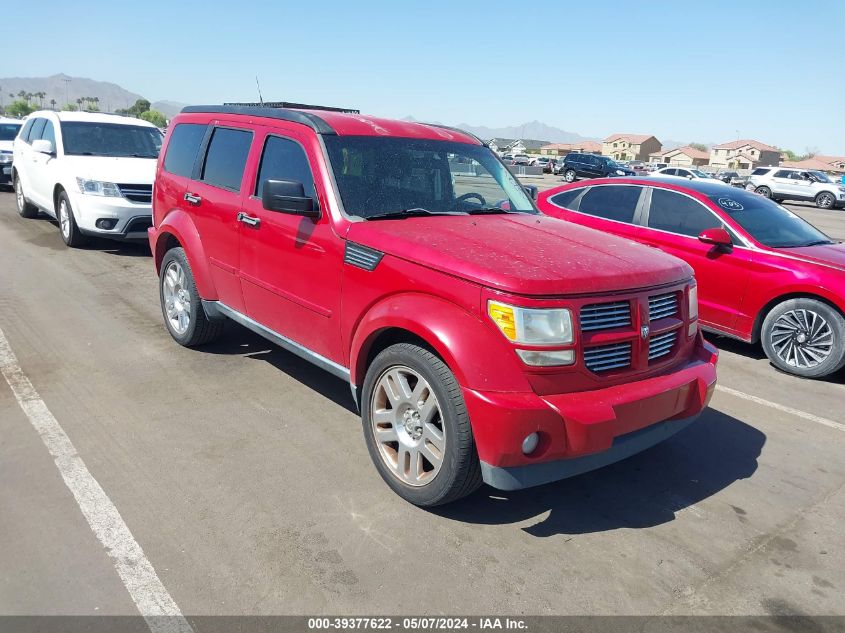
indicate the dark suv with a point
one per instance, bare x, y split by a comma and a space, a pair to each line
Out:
577, 166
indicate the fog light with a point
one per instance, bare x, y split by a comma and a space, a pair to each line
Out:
107, 224
529, 444
539, 358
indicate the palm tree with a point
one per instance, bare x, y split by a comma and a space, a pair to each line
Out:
96, 103
41, 96
22, 94
79, 102
52, 104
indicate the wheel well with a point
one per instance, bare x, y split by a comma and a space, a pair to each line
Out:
164, 244
392, 336
56, 190
761, 316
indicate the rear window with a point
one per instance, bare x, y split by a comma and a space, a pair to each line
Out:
565, 198
185, 140
611, 202
226, 158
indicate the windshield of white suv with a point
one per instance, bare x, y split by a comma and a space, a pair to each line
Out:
379, 177
767, 222
820, 176
8, 131
83, 138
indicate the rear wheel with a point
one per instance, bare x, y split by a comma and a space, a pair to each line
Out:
25, 209
569, 175
71, 235
417, 428
181, 304
825, 200
764, 191
805, 337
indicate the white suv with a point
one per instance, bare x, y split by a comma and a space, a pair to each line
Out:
93, 172
786, 183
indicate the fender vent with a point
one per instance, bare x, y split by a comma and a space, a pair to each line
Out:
361, 256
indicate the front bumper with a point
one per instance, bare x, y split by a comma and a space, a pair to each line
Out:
130, 219
583, 431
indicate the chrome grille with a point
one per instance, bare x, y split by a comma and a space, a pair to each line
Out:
661, 344
662, 306
605, 316
607, 357
137, 193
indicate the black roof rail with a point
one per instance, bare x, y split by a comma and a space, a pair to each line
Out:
294, 106
283, 114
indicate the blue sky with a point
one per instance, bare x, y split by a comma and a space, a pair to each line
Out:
703, 71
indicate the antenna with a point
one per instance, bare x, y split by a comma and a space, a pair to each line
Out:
259, 91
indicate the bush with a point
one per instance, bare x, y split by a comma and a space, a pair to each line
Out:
155, 117
20, 108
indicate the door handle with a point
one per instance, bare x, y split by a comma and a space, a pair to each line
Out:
247, 219
193, 198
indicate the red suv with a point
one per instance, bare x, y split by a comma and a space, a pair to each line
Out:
763, 273
481, 340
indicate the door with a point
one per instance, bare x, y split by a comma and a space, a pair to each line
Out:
783, 183
291, 265
804, 185
672, 222
214, 199
44, 168
31, 166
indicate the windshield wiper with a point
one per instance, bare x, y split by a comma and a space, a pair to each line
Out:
410, 213
492, 210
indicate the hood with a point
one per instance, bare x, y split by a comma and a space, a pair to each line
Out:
829, 254
6, 146
522, 254
136, 171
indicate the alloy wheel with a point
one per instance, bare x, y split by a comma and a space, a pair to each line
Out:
64, 218
19, 194
407, 425
825, 201
802, 338
177, 298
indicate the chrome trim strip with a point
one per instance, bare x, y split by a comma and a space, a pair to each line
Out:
282, 341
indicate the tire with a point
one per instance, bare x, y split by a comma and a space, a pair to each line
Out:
764, 191
825, 200
71, 235
408, 439
181, 304
569, 175
25, 209
805, 337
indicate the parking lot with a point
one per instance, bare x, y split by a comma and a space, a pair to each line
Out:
241, 472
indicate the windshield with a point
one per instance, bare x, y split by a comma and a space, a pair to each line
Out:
820, 176
110, 139
700, 174
378, 175
768, 222
8, 131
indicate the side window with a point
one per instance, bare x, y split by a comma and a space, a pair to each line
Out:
669, 172
760, 171
49, 133
677, 213
27, 128
37, 129
611, 202
182, 149
783, 174
684, 173
225, 159
284, 159
566, 198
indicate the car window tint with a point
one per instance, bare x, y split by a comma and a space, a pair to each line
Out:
27, 128
612, 202
37, 129
782, 174
565, 198
677, 213
225, 159
684, 173
284, 159
182, 149
49, 132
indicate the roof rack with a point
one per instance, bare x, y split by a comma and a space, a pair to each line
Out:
294, 106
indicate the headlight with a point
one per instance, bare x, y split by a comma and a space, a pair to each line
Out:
693, 310
540, 326
619, 172
98, 188
7, 158
841, 188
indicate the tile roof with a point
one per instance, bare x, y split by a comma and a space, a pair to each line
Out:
585, 146
755, 144
631, 138
686, 149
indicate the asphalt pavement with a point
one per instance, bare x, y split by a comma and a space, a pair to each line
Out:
241, 472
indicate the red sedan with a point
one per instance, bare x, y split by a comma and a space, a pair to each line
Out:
764, 274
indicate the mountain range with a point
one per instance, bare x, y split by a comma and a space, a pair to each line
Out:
65, 89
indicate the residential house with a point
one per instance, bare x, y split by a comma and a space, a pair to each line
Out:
818, 163
743, 154
630, 146
516, 146
685, 156
562, 149
837, 163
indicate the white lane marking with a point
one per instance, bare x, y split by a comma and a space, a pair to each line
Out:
774, 405
149, 594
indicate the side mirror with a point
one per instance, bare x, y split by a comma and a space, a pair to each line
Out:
288, 196
531, 190
716, 237
690, 177
43, 146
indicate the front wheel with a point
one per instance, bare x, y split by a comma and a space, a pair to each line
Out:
417, 428
71, 235
764, 191
181, 304
569, 175
805, 337
825, 200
